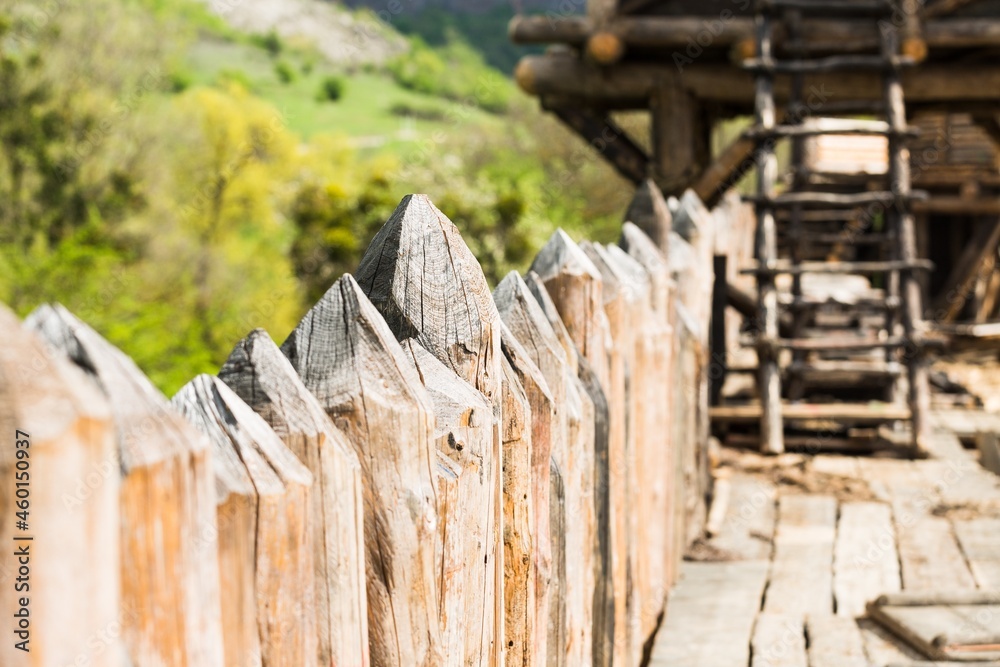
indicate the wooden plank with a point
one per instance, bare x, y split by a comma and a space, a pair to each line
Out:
834, 641
266, 543
348, 358
882, 647
747, 530
463, 431
929, 555
980, 542
71, 454
710, 615
866, 563
262, 376
860, 413
426, 283
620, 305
801, 575
778, 641
169, 577
592, 462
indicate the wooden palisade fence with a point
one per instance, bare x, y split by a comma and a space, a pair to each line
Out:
422, 474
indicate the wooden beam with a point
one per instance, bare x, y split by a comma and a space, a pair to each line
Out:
609, 139
675, 32
624, 84
724, 171
944, 7
681, 134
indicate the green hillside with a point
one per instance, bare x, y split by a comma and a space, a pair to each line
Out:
177, 180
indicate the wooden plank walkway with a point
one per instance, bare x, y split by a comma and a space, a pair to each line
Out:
787, 576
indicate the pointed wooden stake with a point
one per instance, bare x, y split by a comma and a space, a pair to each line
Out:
262, 376
348, 358
594, 487
265, 532
649, 212
61, 421
620, 299
169, 557
641, 248
419, 273
463, 432
572, 448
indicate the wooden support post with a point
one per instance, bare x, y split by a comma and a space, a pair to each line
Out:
588, 443
607, 138
422, 277
769, 379
681, 135
169, 556
348, 358
56, 415
266, 542
463, 432
262, 376
575, 287
649, 212
572, 448
663, 343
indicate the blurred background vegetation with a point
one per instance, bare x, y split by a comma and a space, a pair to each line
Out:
177, 179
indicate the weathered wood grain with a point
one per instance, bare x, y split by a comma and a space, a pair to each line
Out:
463, 431
169, 557
426, 283
605, 627
348, 358
266, 547
263, 377
621, 306
519, 522
71, 462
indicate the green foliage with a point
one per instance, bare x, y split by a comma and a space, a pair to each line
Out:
270, 42
454, 71
407, 110
332, 88
229, 77
284, 71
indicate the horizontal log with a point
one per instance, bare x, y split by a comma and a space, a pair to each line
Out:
840, 268
630, 85
666, 33
866, 413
